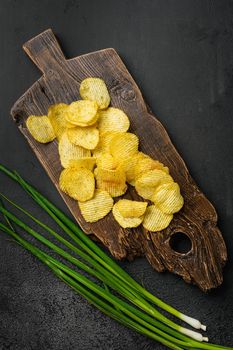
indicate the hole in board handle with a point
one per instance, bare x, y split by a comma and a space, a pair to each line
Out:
180, 243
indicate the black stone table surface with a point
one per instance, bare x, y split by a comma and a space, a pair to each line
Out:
181, 55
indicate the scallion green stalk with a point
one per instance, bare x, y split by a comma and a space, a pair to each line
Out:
75, 232
142, 323
101, 266
109, 280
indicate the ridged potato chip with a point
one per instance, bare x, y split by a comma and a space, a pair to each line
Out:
57, 117
107, 161
125, 222
115, 190
97, 207
113, 119
104, 143
146, 164
129, 165
70, 125
131, 209
124, 145
117, 175
112, 181
77, 183
87, 137
68, 151
155, 220
82, 113
146, 184
168, 198
85, 162
40, 128
95, 89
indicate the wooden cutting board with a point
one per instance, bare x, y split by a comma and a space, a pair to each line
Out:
60, 82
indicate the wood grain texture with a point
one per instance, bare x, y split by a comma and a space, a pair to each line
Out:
60, 82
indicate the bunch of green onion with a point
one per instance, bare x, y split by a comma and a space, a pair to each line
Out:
135, 307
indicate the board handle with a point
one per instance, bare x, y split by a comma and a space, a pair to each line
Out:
45, 51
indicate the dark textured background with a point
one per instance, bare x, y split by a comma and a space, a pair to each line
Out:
181, 55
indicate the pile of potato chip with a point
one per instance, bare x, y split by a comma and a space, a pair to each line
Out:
100, 158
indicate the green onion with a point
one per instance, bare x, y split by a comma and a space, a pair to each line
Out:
89, 246
71, 278
68, 274
106, 278
149, 322
104, 275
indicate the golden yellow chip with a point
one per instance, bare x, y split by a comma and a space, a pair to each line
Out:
131, 209
146, 184
85, 162
82, 113
168, 198
77, 183
70, 125
68, 151
155, 220
87, 137
129, 165
104, 143
97, 207
124, 145
146, 164
106, 161
125, 222
40, 128
113, 119
95, 89
117, 175
112, 181
115, 190
57, 117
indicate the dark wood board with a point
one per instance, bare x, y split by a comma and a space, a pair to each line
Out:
60, 82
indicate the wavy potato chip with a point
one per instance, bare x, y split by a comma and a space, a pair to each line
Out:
87, 137
113, 119
124, 145
70, 125
131, 209
112, 181
40, 128
95, 89
115, 190
104, 143
57, 117
155, 220
85, 162
146, 164
168, 198
146, 184
77, 183
82, 113
97, 207
125, 222
129, 165
117, 175
107, 161
68, 151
